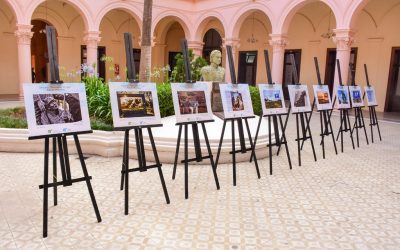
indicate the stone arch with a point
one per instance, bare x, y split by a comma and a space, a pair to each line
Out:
132, 10
354, 12
51, 18
173, 16
79, 5
15, 10
202, 25
282, 26
245, 12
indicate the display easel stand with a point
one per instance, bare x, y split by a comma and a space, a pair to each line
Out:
199, 157
326, 129
60, 142
278, 141
373, 121
303, 123
359, 124
345, 126
243, 148
141, 160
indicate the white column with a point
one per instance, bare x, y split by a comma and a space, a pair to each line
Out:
197, 47
92, 39
344, 39
278, 43
235, 44
24, 36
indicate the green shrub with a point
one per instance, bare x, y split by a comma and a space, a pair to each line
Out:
98, 98
13, 118
178, 73
255, 99
165, 99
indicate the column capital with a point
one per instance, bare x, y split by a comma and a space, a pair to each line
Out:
92, 39
196, 46
232, 41
278, 42
344, 39
24, 33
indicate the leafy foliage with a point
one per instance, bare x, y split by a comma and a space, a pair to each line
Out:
98, 97
178, 73
255, 99
13, 118
165, 99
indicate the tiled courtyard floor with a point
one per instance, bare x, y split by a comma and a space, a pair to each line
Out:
348, 201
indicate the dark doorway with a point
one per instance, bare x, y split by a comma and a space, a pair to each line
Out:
212, 41
248, 67
392, 103
101, 65
172, 60
288, 70
331, 67
39, 54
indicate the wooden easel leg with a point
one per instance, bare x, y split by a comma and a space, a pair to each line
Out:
233, 152
186, 163
377, 125
284, 141
253, 148
311, 138
61, 157
126, 172
55, 200
331, 131
45, 186
270, 145
66, 159
284, 129
213, 166
371, 122
220, 144
356, 126
123, 166
178, 143
298, 138
255, 138
363, 125
341, 129
85, 173
322, 135
351, 131
160, 173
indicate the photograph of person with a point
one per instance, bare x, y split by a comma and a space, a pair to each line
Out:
342, 96
192, 102
272, 98
236, 100
322, 96
300, 98
57, 108
357, 96
371, 97
135, 104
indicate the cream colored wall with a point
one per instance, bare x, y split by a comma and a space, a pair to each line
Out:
375, 39
173, 40
8, 52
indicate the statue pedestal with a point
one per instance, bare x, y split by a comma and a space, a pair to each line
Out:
216, 102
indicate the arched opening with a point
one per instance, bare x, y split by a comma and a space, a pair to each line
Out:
311, 35
9, 86
69, 25
168, 34
378, 42
254, 31
112, 27
212, 41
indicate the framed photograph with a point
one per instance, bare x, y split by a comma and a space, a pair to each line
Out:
236, 100
299, 98
342, 97
272, 100
134, 104
356, 96
191, 102
371, 97
322, 97
53, 109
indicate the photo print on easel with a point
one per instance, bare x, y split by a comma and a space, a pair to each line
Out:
299, 98
356, 96
236, 100
191, 102
56, 108
134, 104
371, 96
342, 96
322, 97
272, 101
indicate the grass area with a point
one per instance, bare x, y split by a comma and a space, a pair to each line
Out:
15, 118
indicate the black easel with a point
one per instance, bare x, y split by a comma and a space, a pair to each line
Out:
275, 117
302, 118
196, 136
324, 117
130, 64
373, 119
239, 120
345, 125
60, 142
358, 114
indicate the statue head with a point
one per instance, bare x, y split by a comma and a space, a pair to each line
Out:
215, 57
